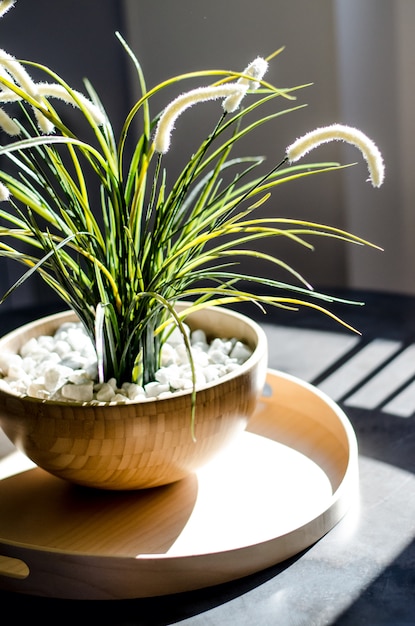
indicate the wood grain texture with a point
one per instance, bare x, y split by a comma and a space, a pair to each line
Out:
143, 444
284, 484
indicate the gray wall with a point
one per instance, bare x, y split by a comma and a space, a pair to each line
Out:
356, 55
171, 37
375, 93
76, 39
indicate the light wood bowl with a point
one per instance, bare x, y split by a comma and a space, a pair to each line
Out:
143, 444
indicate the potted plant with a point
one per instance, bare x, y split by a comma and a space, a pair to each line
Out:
152, 259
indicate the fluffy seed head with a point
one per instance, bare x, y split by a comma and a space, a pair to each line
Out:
186, 100
339, 132
4, 193
5, 5
255, 70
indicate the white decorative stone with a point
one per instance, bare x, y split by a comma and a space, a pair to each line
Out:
56, 376
106, 393
199, 337
240, 352
64, 367
78, 377
176, 336
7, 360
133, 391
37, 389
168, 355
118, 398
154, 389
78, 393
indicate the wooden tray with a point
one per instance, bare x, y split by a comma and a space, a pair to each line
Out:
275, 492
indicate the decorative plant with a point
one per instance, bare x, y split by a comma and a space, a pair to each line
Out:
122, 266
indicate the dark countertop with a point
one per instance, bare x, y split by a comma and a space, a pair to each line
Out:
361, 572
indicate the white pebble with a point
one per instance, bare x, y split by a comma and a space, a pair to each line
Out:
221, 345
78, 393
37, 389
17, 386
16, 371
78, 377
113, 383
76, 339
55, 377
241, 352
62, 347
199, 337
182, 355
168, 355
153, 389
176, 336
134, 391
8, 360
105, 393
217, 356
231, 366
164, 394
64, 367
29, 364
118, 398
211, 373
200, 357
28, 348
46, 342
167, 374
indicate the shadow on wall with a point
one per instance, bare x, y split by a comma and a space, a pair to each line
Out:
76, 39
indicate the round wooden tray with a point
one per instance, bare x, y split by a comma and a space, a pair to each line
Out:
283, 485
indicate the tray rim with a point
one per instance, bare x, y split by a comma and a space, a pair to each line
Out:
249, 558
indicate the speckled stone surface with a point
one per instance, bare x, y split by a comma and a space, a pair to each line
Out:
363, 571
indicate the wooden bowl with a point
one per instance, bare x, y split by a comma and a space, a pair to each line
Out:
143, 444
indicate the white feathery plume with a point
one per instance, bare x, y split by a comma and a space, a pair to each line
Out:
45, 125
255, 70
184, 101
18, 73
339, 132
54, 90
21, 76
5, 5
5, 74
7, 95
8, 124
231, 103
4, 193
